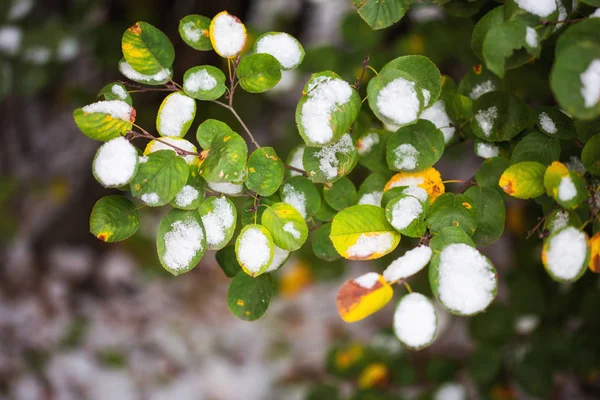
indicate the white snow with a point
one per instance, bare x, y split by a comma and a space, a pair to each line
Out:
487, 150
285, 48
409, 264
566, 189
373, 198
19, 9
574, 164
116, 162
68, 48
526, 324
328, 162
595, 14
191, 32
289, 228
181, 143
466, 279
366, 143
294, 198
368, 280
199, 80
182, 243
590, 81
150, 198
37, 55
405, 211
531, 37
296, 160
417, 192
119, 91
228, 34
399, 102
406, 157
226, 187
176, 111
547, 124
253, 249
426, 97
437, 115
324, 96
186, 196
279, 257
541, 8
407, 181
560, 220
562, 13
415, 321
115, 108
566, 253
132, 74
367, 244
10, 39
451, 391
481, 89
485, 119
218, 221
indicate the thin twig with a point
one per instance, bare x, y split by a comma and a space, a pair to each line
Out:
145, 135
297, 170
235, 114
358, 80
537, 226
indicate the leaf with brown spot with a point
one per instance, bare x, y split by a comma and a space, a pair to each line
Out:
360, 297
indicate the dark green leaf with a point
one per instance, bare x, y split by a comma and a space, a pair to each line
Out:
114, 218
248, 298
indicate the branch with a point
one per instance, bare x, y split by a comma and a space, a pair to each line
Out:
296, 169
140, 89
537, 226
145, 135
235, 114
358, 80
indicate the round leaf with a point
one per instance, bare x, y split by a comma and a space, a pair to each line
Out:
226, 158
254, 249
490, 214
193, 29
381, 14
322, 245
175, 115
105, 120
248, 298
208, 129
452, 210
524, 180
259, 72
590, 156
538, 147
415, 147
115, 91
360, 297
330, 163
204, 82
499, 116
340, 194
301, 194
146, 49
159, 179
114, 218
265, 171
286, 225
219, 217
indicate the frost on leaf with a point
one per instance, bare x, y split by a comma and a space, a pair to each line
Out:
360, 297
486, 118
227, 34
218, 221
590, 84
115, 163
467, 281
415, 321
182, 242
405, 211
398, 101
183, 144
370, 244
487, 150
438, 116
200, 80
541, 8
254, 249
565, 254
409, 264
285, 48
115, 108
175, 115
547, 124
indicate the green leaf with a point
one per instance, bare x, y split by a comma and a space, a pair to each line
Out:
175, 115
219, 217
491, 170
193, 29
227, 261
590, 156
330, 163
226, 158
464, 8
372, 147
449, 235
322, 245
180, 241
259, 72
327, 109
567, 188
423, 71
191, 195
147, 49
159, 179
325, 213
371, 190
555, 123
210, 128
416, 147
340, 194
479, 81
157, 79
362, 232
105, 120
584, 32
301, 194
248, 298
407, 215
538, 147
490, 214
382, 14
265, 171
524, 180
452, 210
115, 163
115, 91
286, 225
286, 49
114, 218
204, 82
566, 254
572, 79
252, 210
560, 218
254, 249
499, 116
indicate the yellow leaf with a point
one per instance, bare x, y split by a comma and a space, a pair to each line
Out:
360, 297
295, 278
374, 374
594, 264
429, 180
524, 180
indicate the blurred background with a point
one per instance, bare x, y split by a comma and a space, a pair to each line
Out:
81, 319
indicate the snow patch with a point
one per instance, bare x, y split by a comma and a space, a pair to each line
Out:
399, 102
295, 198
590, 81
279, 257
182, 243
405, 211
560, 220
409, 264
228, 34
176, 111
130, 73
373, 198
116, 162
119, 91
368, 280
200, 80
289, 228
595, 14
541, 8
481, 89
10, 40
191, 32
526, 324
115, 108
566, 189
68, 48
451, 391
418, 192
368, 244
285, 48
567, 251
328, 162
150, 198
218, 221
547, 124
253, 249
406, 157
486, 118
487, 150
226, 187
296, 160
366, 143
181, 143
531, 37
415, 321
437, 115
186, 196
